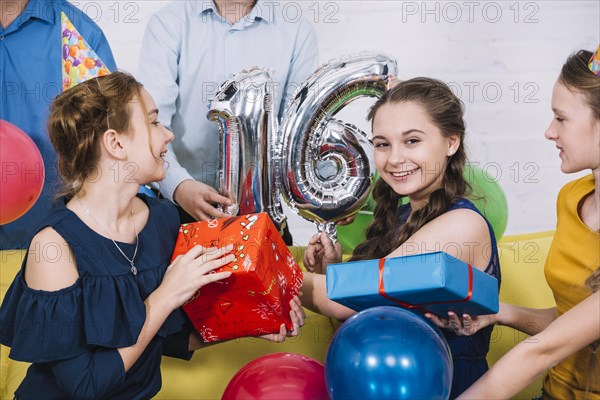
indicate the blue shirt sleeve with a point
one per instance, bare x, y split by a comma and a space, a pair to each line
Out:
304, 62
90, 31
102, 48
158, 71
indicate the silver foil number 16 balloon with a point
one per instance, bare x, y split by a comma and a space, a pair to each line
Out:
320, 165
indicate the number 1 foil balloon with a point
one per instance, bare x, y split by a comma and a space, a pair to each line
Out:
243, 109
326, 165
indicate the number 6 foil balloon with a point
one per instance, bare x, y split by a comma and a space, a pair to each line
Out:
326, 165
243, 109
321, 166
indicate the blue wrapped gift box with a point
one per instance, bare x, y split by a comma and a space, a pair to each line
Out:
435, 282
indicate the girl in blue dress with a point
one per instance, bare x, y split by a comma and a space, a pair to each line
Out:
418, 139
97, 301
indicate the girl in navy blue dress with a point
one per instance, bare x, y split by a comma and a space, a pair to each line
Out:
418, 139
97, 301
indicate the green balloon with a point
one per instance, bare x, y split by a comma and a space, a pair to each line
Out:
487, 195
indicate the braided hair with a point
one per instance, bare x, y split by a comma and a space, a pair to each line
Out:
445, 110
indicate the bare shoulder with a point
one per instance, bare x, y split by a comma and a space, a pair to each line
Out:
462, 224
50, 262
461, 233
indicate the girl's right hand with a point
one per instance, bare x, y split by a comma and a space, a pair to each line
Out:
190, 272
465, 325
297, 316
320, 252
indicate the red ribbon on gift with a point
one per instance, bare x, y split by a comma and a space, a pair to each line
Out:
382, 292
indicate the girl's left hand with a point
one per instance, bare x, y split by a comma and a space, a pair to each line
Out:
321, 251
297, 315
461, 326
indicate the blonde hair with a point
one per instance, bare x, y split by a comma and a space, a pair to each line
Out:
80, 116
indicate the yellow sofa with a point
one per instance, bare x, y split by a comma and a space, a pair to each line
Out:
209, 371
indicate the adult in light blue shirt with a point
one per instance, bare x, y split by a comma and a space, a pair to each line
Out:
31, 77
189, 49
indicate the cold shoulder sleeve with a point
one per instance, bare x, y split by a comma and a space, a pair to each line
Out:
41, 326
48, 327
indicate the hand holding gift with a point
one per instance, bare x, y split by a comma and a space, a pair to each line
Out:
261, 292
466, 325
297, 315
190, 272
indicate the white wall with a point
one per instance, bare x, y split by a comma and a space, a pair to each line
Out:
501, 57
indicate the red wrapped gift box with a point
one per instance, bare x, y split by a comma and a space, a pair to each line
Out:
255, 299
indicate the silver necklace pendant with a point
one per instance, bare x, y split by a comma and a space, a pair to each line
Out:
134, 270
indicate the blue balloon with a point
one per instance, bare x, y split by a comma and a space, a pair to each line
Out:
388, 353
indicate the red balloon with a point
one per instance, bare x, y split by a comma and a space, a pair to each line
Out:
21, 172
278, 376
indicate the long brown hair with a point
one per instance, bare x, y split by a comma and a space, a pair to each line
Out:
80, 116
445, 110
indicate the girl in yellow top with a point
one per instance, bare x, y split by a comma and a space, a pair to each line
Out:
571, 331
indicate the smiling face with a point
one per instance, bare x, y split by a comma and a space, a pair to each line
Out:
410, 151
148, 148
575, 131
